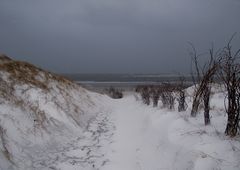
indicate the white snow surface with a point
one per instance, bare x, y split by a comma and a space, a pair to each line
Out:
149, 138
40, 128
83, 130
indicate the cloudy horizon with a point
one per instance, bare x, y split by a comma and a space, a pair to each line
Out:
110, 36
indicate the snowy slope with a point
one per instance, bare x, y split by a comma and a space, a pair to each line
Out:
40, 113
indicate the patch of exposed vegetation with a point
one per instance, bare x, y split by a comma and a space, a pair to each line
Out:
114, 93
26, 73
23, 73
166, 93
4, 58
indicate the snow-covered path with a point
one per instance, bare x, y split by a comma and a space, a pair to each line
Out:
136, 143
129, 124
147, 138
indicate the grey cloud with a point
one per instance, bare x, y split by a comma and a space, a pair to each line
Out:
134, 36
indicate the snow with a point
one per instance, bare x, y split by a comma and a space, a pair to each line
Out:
153, 138
87, 131
39, 127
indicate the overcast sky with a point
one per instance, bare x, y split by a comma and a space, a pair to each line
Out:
114, 36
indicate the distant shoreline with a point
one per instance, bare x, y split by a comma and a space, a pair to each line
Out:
126, 78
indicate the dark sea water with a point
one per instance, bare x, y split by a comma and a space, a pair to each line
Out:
124, 81
125, 77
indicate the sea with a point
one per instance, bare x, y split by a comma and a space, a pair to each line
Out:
100, 82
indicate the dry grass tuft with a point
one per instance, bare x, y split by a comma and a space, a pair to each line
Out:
26, 73
4, 58
23, 73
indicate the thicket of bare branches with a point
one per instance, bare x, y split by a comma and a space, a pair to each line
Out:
167, 95
223, 66
145, 94
204, 76
224, 63
115, 93
156, 93
180, 89
230, 75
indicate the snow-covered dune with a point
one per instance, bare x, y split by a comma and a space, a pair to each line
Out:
39, 112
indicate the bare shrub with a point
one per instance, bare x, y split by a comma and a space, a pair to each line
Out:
155, 94
204, 76
145, 94
167, 96
163, 92
206, 99
182, 105
170, 100
230, 75
115, 93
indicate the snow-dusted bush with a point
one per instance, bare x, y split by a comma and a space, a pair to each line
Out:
114, 93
